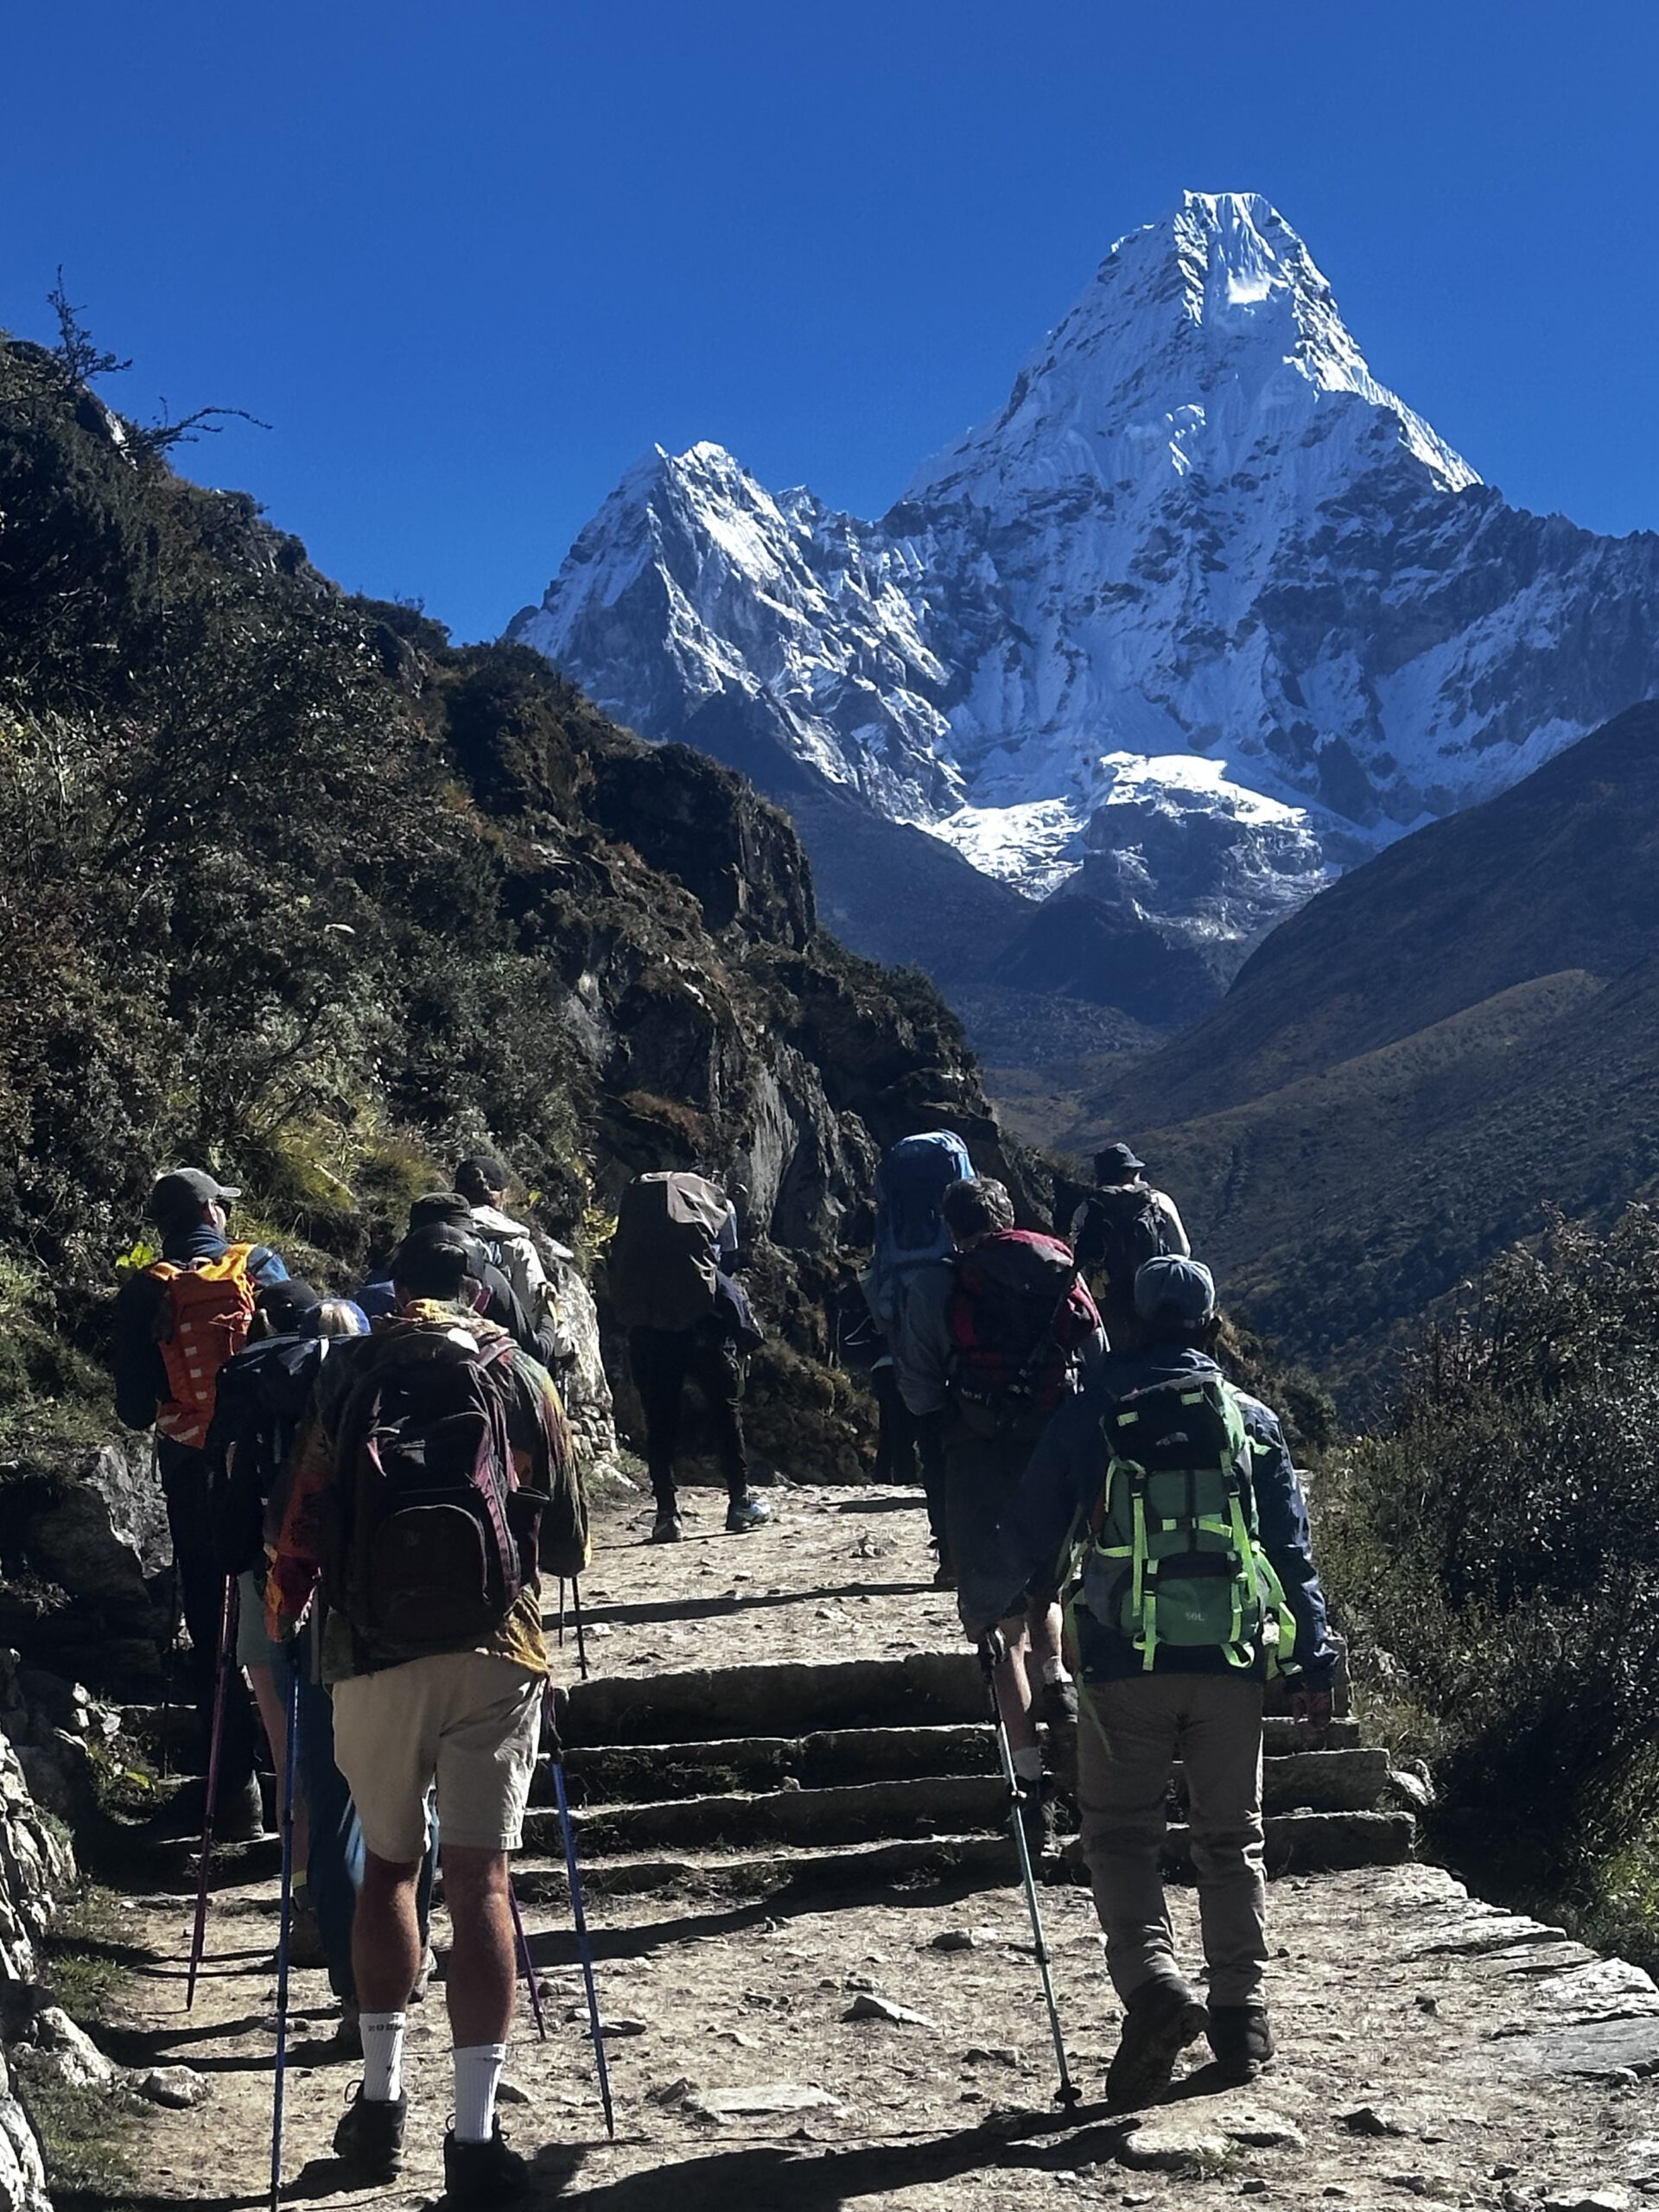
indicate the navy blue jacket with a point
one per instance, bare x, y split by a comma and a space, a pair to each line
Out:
134, 1355
1067, 1473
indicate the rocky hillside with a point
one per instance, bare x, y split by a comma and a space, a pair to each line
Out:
293, 886
1201, 616
1406, 1076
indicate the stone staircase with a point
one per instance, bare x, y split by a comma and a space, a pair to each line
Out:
856, 1772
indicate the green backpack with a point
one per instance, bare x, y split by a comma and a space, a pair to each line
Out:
1171, 1555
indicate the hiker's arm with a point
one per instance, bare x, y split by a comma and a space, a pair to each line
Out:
293, 1524
1281, 1515
921, 1341
134, 1355
1179, 1242
1088, 1236
544, 1461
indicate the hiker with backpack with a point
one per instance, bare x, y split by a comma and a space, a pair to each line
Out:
669, 1271
264, 1397
176, 1323
491, 1294
990, 1343
433, 1482
1121, 1225
481, 1179
1168, 1499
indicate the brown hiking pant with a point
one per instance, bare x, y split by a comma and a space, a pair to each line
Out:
1213, 1723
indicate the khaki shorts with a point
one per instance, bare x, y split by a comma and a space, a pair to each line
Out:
464, 1719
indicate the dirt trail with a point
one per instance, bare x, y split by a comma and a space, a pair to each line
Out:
1422, 2036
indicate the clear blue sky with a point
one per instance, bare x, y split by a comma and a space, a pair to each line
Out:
471, 259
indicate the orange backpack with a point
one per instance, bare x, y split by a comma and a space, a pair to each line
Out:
205, 1312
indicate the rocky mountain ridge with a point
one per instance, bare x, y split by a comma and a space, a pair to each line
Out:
1412, 1072
1202, 615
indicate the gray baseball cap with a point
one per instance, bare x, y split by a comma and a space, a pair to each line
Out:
181, 1194
1173, 1289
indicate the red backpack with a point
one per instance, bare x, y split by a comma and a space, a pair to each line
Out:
203, 1320
1019, 1316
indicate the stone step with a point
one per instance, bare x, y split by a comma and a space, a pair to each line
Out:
907, 1805
1330, 1780
1301, 1843
923, 1689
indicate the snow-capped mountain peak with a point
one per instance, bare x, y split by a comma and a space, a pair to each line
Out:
1200, 531
1201, 337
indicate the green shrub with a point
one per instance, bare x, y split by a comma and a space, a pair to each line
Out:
1495, 1557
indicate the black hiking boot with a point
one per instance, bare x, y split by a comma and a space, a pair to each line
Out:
369, 2141
484, 2174
1240, 2040
1163, 2019
746, 1513
1036, 1817
239, 1815
667, 1529
1060, 1703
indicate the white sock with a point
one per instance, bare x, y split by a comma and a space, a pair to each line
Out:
478, 2076
383, 2056
1054, 1670
1028, 1764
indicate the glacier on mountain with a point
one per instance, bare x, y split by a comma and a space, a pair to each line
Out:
1202, 614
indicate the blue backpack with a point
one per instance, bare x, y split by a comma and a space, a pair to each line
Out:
909, 1231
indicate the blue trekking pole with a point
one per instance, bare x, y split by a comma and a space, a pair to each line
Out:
280, 2079
584, 1950
525, 1962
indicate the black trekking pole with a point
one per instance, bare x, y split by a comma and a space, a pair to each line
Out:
584, 1948
1068, 2095
210, 1789
561, 1613
525, 1962
581, 1641
284, 1926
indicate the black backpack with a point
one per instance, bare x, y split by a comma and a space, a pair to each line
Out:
1125, 1228
428, 1542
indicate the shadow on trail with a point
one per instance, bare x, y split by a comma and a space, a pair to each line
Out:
726, 1606
772, 2178
917, 1505
556, 1946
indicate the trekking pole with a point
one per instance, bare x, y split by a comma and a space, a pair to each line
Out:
216, 1737
561, 1613
280, 2079
584, 1948
1068, 2095
581, 1641
525, 1960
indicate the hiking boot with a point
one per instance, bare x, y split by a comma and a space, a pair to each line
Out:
369, 2141
305, 1944
239, 1815
484, 2174
1163, 2019
667, 1528
746, 1513
347, 2040
1240, 2040
1060, 1703
1036, 1817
